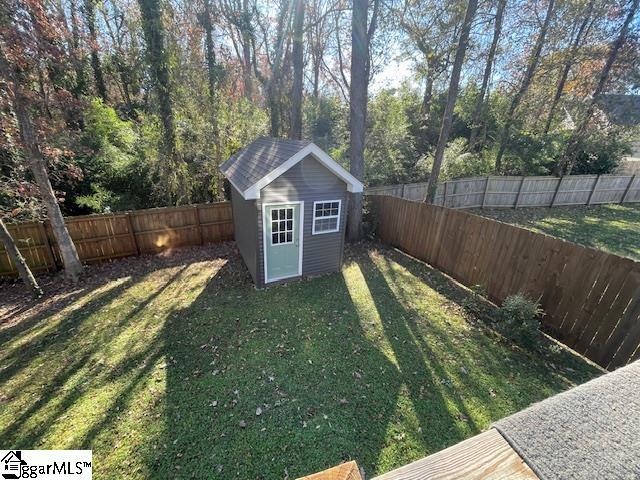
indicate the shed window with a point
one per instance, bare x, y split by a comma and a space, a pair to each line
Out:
326, 216
281, 226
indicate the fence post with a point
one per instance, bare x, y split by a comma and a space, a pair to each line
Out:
444, 195
402, 194
593, 190
198, 226
626, 192
519, 193
132, 234
484, 195
47, 246
555, 194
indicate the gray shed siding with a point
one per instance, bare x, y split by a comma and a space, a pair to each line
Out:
308, 181
246, 228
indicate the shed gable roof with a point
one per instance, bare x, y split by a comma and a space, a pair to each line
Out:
264, 160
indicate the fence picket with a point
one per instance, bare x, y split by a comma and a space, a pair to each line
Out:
106, 236
591, 298
516, 192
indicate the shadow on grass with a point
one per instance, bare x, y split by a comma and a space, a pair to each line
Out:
478, 311
60, 338
202, 376
294, 379
295, 352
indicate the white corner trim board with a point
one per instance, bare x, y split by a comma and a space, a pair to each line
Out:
353, 184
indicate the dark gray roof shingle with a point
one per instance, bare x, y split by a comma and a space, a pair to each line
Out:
591, 431
623, 110
258, 159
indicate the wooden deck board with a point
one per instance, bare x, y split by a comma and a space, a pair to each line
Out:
485, 456
345, 471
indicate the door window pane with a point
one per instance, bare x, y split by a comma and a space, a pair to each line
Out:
282, 226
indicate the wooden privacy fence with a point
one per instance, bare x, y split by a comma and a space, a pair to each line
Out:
107, 236
514, 192
591, 298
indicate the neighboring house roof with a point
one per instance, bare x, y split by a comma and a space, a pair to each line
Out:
590, 431
265, 159
623, 110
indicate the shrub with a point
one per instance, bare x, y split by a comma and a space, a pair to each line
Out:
519, 320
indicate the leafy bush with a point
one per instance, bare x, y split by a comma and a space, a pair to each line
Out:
115, 173
458, 162
519, 319
602, 152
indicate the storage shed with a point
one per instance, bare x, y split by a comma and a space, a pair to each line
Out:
289, 201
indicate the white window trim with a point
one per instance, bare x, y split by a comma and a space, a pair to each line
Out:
313, 222
293, 230
264, 239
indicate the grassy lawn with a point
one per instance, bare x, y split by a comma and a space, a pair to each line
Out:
613, 228
177, 367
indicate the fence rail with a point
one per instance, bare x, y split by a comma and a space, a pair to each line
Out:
107, 236
591, 298
514, 192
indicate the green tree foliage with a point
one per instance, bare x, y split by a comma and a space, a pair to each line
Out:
184, 85
390, 146
115, 170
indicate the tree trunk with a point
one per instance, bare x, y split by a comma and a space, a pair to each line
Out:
246, 34
298, 67
425, 108
273, 83
72, 265
452, 96
566, 68
476, 119
357, 110
316, 76
90, 15
274, 109
78, 63
247, 80
157, 58
524, 86
18, 260
569, 157
212, 77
